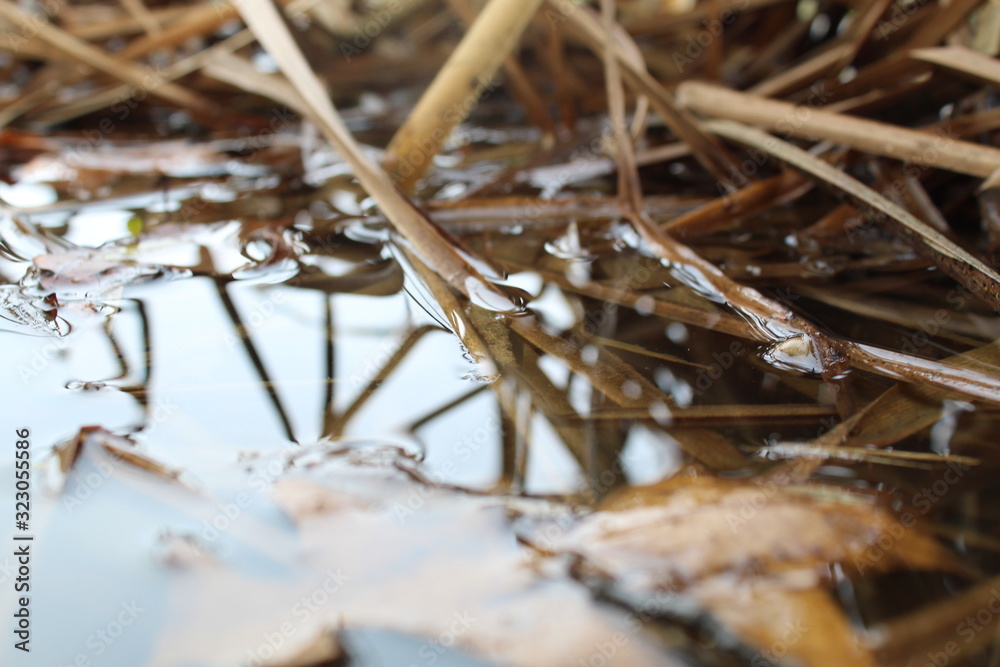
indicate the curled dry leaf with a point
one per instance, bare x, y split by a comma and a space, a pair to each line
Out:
106, 450
738, 548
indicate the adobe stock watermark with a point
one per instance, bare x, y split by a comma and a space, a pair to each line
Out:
869, 217
967, 629
42, 359
751, 504
371, 26
227, 512
740, 174
450, 117
774, 654
900, 12
432, 650
695, 45
923, 502
33, 23
604, 652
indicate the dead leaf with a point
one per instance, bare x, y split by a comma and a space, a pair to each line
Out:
736, 547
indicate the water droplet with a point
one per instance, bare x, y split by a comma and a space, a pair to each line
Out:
483, 370
794, 354
496, 298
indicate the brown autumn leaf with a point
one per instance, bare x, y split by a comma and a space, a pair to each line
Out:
751, 554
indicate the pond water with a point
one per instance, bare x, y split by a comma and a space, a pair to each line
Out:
252, 436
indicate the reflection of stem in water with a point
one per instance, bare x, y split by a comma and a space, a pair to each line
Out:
258, 364
334, 424
331, 358
437, 412
516, 441
125, 381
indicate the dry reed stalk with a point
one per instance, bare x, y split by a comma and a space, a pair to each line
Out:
968, 270
140, 12
775, 323
105, 98
457, 87
433, 245
861, 134
709, 152
97, 59
977, 66
928, 631
722, 213
520, 85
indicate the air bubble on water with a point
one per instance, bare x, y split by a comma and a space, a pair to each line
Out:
664, 379
257, 250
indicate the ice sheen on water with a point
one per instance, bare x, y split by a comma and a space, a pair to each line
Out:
31, 313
